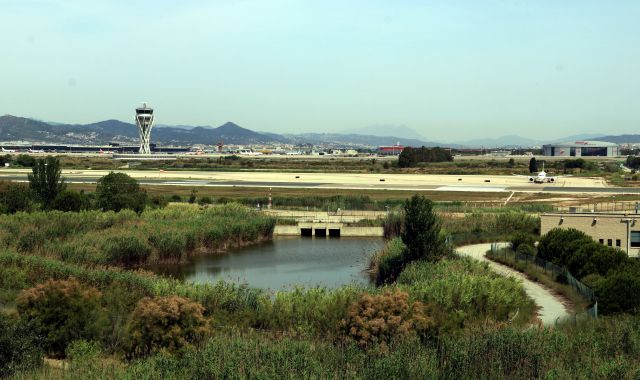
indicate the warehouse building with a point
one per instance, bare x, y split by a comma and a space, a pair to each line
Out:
615, 230
582, 149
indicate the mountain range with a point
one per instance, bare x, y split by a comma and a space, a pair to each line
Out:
19, 129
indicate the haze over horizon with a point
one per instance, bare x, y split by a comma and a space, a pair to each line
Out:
454, 70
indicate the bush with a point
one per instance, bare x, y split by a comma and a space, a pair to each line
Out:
126, 250
389, 262
61, 311
559, 244
14, 197
619, 292
522, 238
19, 346
70, 201
158, 201
25, 160
393, 225
526, 249
167, 323
205, 200
117, 191
378, 320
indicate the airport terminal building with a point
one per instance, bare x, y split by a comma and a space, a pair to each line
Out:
582, 149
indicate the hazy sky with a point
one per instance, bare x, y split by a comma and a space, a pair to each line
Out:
452, 70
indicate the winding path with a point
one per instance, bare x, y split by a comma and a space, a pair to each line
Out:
551, 306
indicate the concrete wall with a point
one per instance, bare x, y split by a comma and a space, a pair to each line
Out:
362, 231
344, 231
605, 227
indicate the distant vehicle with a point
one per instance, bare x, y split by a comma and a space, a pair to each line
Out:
196, 152
36, 150
105, 152
8, 150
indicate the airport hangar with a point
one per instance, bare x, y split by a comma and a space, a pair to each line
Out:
582, 149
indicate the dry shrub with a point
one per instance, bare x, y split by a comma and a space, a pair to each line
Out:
61, 311
166, 323
378, 320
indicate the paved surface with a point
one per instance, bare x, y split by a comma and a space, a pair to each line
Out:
551, 306
411, 182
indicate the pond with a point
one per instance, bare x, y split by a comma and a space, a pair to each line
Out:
284, 263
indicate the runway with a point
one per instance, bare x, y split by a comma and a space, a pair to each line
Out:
355, 181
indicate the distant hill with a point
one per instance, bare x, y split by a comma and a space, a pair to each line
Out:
386, 130
357, 140
516, 141
621, 139
22, 129
14, 128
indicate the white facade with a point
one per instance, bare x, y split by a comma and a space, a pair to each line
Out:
144, 121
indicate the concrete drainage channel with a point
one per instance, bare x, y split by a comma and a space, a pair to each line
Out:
332, 230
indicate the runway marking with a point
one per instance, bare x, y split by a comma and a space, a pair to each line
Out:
472, 188
508, 199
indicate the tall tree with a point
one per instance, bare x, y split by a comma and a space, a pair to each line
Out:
421, 233
46, 180
117, 191
533, 165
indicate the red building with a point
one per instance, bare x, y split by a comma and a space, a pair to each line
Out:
393, 150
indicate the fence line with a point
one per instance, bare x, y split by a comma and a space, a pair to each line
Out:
504, 249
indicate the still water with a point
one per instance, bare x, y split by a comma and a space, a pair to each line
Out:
284, 263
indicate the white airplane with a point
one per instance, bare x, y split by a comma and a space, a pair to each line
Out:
36, 150
105, 151
8, 150
542, 177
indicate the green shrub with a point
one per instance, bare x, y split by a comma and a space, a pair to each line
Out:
170, 245
526, 249
619, 292
60, 311
14, 197
70, 201
205, 200
19, 346
559, 244
126, 250
521, 238
117, 191
167, 323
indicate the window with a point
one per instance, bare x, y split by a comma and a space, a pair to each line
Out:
617, 242
601, 241
609, 242
635, 239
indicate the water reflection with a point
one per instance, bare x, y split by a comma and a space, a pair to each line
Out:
284, 263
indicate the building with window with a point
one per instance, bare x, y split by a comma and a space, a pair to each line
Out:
582, 149
615, 230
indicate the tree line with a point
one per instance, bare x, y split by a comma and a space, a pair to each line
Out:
47, 190
411, 157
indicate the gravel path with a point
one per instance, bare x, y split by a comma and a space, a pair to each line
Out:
550, 305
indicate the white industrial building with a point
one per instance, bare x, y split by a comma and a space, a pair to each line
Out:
582, 149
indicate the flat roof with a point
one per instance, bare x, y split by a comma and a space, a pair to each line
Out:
583, 144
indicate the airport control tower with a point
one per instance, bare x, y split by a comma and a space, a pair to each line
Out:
144, 121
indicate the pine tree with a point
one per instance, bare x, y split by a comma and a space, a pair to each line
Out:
533, 165
421, 233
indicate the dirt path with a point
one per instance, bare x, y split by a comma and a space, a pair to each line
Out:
550, 305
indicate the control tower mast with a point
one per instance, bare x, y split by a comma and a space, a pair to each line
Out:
144, 121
